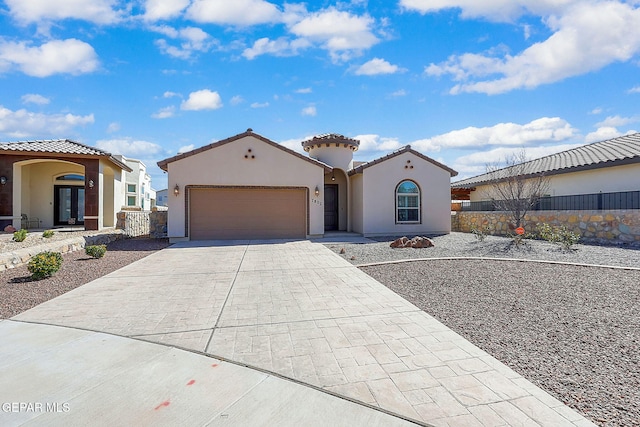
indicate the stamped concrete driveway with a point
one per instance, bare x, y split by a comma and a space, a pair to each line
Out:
300, 311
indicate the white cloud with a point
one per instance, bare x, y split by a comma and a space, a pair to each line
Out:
587, 36
309, 111
372, 143
602, 134
595, 111
113, 127
202, 100
377, 66
343, 34
34, 98
635, 89
169, 94
129, 147
616, 121
304, 90
186, 148
279, 47
259, 105
97, 11
164, 9
237, 12
236, 100
191, 40
164, 113
398, 93
295, 144
23, 123
70, 56
540, 131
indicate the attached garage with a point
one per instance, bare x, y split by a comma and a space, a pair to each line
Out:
247, 213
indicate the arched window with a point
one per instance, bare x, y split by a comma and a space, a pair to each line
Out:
70, 177
407, 203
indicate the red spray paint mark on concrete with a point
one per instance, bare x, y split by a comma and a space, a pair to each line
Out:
192, 382
165, 403
215, 365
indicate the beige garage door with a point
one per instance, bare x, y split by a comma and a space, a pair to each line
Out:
247, 213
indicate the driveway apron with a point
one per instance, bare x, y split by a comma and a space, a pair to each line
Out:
300, 311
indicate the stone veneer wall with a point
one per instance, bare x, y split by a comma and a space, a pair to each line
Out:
615, 226
143, 223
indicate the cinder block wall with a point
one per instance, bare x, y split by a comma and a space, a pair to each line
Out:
614, 226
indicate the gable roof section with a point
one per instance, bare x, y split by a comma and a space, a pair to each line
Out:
612, 152
406, 149
163, 164
65, 147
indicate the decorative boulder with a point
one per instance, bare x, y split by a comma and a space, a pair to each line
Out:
10, 229
400, 243
421, 242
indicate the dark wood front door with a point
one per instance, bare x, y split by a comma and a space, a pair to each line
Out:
331, 207
68, 205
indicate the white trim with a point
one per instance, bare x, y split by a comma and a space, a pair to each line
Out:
10, 217
90, 217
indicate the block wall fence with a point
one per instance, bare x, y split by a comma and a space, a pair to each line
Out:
606, 227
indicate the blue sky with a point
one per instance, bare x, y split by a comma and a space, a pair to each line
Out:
466, 82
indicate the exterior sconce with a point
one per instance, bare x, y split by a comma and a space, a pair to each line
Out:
333, 176
90, 183
317, 192
3, 180
176, 190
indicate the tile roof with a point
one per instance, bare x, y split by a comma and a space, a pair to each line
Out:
58, 146
407, 148
612, 152
163, 164
329, 138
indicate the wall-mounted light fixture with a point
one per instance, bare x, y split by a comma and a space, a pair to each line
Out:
90, 183
317, 191
333, 176
3, 180
176, 190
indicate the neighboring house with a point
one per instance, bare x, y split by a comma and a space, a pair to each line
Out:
248, 186
609, 166
57, 183
162, 197
138, 191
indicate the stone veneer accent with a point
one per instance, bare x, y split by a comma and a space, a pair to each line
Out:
614, 226
143, 223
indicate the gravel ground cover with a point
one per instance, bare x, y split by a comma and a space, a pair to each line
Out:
466, 245
19, 293
572, 330
35, 238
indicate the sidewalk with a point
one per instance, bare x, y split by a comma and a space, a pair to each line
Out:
302, 312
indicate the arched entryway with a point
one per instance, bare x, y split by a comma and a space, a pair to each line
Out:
336, 201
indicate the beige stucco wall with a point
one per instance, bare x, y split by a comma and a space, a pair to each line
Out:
356, 203
378, 190
605, 180
226, 165
337, 157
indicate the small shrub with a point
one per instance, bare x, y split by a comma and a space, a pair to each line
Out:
44, 264
480, 232
96, 251
20, 235
559, 235
48, 233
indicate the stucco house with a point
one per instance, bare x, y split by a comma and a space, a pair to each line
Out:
248, 186
138, 191
611, 166
49, 183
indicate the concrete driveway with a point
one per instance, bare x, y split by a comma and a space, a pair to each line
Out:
295, 312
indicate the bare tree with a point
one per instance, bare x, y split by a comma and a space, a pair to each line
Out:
516, 187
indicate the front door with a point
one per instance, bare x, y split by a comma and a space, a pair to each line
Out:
68, 205
330, 207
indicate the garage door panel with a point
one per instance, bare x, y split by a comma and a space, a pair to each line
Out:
247, 213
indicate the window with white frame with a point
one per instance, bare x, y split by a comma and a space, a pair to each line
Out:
131, 188
407, 203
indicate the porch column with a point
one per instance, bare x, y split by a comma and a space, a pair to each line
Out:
91, 194
6, 192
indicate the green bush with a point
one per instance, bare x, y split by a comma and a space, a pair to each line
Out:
558, 235
96, 251
480, 232
44, 264
20, 235
48, 233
